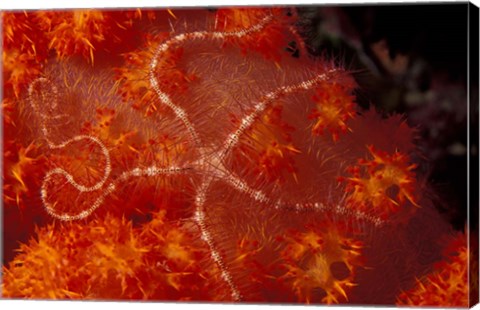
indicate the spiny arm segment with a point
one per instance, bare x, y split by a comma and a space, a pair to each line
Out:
267, 100
111, 188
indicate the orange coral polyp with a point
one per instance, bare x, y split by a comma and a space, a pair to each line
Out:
448, 284
134, 81
335, 106
19, 69
277, 157
270, 145
308, 258
269, 42
81, 32
236, 19
23, 169
74, 32
80, 257
381, 184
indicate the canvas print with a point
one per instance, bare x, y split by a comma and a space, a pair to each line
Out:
294, 155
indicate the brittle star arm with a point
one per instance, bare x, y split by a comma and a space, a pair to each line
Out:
109, 189
45, 131
266, 102
257, 195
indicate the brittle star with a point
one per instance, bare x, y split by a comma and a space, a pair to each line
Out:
210, 164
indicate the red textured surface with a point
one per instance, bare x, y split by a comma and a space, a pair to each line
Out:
305, 199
